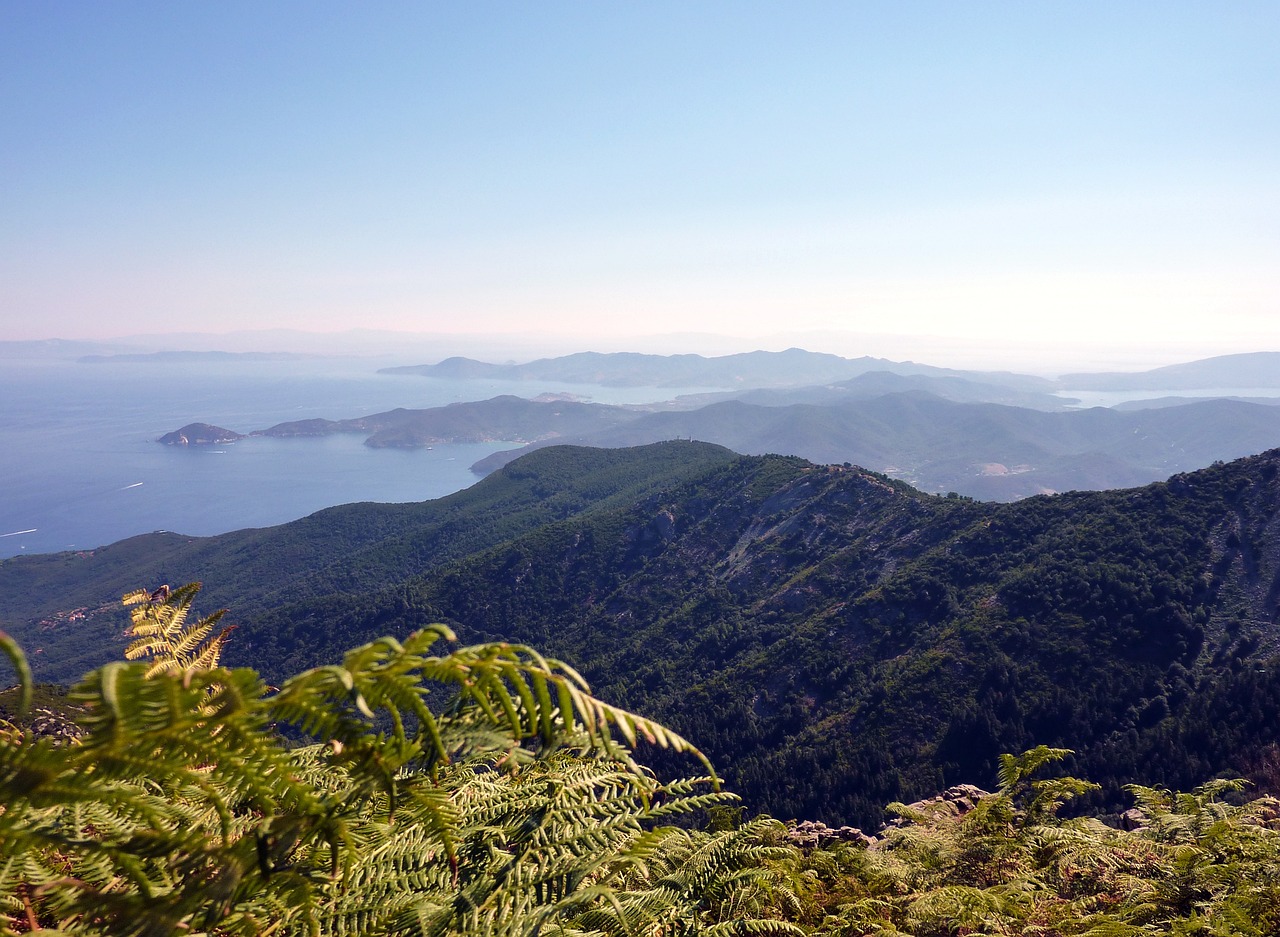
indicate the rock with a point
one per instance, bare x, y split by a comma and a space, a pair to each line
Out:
1132, 819
809, 834
957, 801
660, 530
46, 723
664, 526
964, 797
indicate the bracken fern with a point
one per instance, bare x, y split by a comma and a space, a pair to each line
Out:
478, 790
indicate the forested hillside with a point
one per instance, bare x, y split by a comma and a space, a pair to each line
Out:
64, 606
834, 639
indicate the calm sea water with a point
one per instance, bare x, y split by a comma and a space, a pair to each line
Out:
79, 465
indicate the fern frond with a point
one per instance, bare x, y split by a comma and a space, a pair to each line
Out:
1016, 770
21, 668
161, 634
514, 808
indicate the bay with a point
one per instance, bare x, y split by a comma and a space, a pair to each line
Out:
80, 468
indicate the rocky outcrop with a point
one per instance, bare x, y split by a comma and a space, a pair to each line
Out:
957, 801
953, 802
809, 834
46, 723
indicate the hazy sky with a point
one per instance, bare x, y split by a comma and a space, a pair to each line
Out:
1022, 174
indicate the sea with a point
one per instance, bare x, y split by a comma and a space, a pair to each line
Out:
80, 466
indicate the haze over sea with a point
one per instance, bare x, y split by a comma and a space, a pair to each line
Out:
81, 467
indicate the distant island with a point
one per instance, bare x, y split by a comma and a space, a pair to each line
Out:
794, 367
200, 434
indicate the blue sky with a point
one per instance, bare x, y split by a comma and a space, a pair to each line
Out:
1030, 175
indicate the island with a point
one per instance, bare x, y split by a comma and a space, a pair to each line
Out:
200, 434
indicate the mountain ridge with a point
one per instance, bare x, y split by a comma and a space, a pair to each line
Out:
989, 451
792, 367
1250, 369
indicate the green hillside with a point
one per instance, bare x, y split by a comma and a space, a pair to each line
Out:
835, 639
360, 548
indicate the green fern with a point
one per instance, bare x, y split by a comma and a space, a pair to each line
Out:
478, 790
161, 633
22, 670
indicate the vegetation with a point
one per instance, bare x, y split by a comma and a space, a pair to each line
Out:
838, 641
1192, 864
66, 603
834, 640
511, 809
191, 803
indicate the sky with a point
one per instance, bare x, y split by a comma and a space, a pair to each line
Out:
998, 182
